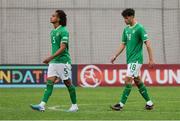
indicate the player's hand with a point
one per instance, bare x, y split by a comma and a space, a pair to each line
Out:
151, 63
113, 59
47, 60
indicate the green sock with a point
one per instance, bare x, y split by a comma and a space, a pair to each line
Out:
48, 91
126, 93
72, 93
143, 91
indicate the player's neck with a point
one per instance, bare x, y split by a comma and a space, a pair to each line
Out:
56, 25
133, 22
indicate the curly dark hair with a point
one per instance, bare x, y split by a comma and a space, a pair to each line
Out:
128, 12
62, 15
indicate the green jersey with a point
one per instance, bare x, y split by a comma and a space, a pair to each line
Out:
134, 37
58, 36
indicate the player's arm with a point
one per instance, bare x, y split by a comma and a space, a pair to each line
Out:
144, 37
149, 50
118, 52
121, 47
58, 52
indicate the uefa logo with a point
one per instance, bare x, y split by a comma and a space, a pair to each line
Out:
90, 76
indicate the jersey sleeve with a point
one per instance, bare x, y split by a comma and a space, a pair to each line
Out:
143, 34
124, 37
64, 37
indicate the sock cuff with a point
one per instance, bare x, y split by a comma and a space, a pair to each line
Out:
128, 85
49, 82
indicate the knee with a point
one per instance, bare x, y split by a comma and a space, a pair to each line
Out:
51, 79
68, 83
137, 80
128, 80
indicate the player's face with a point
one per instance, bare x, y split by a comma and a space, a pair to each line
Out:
128, 19
54, 18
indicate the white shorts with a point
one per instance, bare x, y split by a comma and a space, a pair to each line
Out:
133, 69
62, 71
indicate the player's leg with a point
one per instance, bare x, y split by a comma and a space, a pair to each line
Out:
48, 90
65, 74
143, 91
47, 94
128, 86
131, 70
72, 93
52, 76
125, 94
127, 90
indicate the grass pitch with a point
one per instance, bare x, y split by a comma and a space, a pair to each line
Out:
93, 103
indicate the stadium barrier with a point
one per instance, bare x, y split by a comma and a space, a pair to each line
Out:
85, 75
23, 76
113, 75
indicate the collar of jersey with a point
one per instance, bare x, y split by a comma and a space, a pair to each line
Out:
57, 27
133, 25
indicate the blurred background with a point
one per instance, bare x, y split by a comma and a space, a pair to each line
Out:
95, 29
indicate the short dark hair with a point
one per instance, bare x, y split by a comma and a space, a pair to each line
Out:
128, 12
62, 15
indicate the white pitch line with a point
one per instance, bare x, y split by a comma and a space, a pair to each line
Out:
58, 108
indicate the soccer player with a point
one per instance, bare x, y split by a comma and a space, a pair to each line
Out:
59, 61
133, 37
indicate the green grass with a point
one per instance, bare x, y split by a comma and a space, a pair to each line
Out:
93, 103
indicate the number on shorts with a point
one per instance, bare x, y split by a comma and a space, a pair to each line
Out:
65, 71
133, 67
